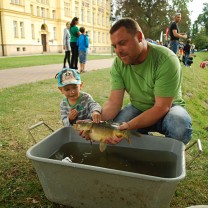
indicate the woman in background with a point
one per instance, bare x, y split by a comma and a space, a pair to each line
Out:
74, 32
66, 44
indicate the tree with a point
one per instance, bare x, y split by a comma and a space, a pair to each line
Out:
200, 29
153, 16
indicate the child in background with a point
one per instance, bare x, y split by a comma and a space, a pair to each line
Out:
76, 105
83, 44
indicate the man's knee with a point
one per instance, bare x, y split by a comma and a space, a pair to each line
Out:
178, 125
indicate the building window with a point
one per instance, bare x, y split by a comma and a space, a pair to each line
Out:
99, 37
15, 29
102, 20
107, 20
42, 12
88, 16
18, 2
31, 9
53, 14
94, 37
93, 18
76, 11
33, 31
47, 13
98, 19
38, 11
66, 9
82, 15
22, 32
54, 33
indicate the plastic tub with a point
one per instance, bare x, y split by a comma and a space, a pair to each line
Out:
90, 186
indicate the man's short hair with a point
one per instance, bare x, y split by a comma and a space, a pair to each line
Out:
131, 26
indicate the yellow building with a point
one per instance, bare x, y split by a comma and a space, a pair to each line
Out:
36, 26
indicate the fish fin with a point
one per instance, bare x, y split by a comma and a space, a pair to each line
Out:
87, 132
129, 139
102, 146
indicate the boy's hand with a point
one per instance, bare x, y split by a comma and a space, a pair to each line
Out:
96, 117
72, 114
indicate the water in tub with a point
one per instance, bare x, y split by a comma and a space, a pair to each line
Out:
148, 162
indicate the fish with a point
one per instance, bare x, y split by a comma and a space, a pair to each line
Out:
101, 131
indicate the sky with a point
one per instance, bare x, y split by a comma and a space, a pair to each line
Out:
196, 6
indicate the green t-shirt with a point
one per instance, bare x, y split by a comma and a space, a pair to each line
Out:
159, 75
74, 33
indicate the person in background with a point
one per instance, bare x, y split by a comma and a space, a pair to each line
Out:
192, 48
76, 105
175, 34
187, 49
151, 75
74, 32
180, 51
83, 44
66, 45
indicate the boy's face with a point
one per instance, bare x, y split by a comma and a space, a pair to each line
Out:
71, 91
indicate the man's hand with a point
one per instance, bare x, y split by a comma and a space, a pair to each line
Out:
116, 140
183, 35
124, 126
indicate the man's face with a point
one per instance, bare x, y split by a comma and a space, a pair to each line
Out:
128, 47
177, 18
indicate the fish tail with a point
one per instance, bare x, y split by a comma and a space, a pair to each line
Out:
102, 146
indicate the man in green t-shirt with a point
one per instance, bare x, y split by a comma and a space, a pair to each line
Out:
151, 75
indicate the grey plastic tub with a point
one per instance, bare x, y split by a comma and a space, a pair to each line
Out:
79, 185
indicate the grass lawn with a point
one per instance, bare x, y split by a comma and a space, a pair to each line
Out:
24, 105
22, 61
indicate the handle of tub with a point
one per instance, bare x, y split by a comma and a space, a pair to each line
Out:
199, 145
35, 126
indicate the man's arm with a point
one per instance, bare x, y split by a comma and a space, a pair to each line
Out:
151, 116
113, 105
179, 35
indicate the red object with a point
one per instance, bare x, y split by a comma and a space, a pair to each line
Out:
204, 64
166, 32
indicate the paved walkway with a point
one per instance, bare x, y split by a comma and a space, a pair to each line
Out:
16, 76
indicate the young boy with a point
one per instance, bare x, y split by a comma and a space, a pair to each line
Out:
76, 105
83, 44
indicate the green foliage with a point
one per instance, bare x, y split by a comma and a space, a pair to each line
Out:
201, 41
200, 29
154, 16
